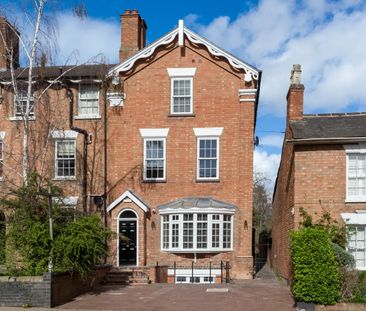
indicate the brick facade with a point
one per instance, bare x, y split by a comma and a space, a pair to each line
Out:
312, 175
217, 103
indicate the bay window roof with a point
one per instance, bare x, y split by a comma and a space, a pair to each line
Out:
197, 203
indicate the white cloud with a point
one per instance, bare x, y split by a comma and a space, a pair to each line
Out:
80, 40
267, 164
271, 141
325, 36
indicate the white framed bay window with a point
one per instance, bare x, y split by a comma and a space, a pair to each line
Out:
197, 232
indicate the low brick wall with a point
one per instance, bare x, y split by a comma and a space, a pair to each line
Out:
48, 290
21, 291
66, 286
343, 307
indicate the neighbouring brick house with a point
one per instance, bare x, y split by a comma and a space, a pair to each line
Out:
172, 148
322, 169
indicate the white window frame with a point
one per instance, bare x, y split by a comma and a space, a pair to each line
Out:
217, 177
163, 139
359, 149
57, 177
172, 96
194, 249
178, 74
80, 99
355, 228
22, 98
208, 133
154, 134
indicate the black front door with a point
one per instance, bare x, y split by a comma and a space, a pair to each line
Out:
127, 242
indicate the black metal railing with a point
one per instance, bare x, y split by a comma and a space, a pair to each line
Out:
223, 266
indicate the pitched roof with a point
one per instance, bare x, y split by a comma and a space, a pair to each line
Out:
72, 71
133, 196
197, 202
180, 32
329, 126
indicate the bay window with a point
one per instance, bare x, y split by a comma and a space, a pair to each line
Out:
197, 232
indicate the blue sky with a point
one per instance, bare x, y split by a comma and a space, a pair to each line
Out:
326, 37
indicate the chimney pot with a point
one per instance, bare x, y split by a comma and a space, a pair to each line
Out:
134, 11
296, 74
127, 11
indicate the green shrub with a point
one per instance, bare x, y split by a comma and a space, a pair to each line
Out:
316, 276
80, 246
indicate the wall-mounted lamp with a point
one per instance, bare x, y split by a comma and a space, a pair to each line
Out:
245, 225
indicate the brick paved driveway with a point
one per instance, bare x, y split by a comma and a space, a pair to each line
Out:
248, 295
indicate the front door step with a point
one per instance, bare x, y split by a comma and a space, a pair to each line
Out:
121, 276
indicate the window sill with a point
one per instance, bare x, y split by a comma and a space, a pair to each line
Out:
207, 180
17, 118
197, 250
184, 115
154, 181
64, 178
87, 117
355, 200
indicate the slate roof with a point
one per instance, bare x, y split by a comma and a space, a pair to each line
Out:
324, 126
197, 202
82, 71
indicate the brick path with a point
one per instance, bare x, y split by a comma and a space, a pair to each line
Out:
251, 295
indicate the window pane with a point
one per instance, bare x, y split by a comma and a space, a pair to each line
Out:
182, 100
357, 245
227, 232
89, 99
65, 158
154, 161
207, 158
356, 175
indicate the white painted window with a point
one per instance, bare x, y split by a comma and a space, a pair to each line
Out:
88, 100
154, 158
20, 102
65, 159
356, 176
208, 158
197, 232
181, 96
181, 90
357, 245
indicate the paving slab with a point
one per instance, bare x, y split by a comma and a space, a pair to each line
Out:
248, 295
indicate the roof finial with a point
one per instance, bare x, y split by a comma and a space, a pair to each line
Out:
181, 33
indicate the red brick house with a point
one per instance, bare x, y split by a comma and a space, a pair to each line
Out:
173, 126
322, 169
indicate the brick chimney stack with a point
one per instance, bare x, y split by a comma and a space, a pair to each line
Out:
295, 95
9, 45
133, 34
